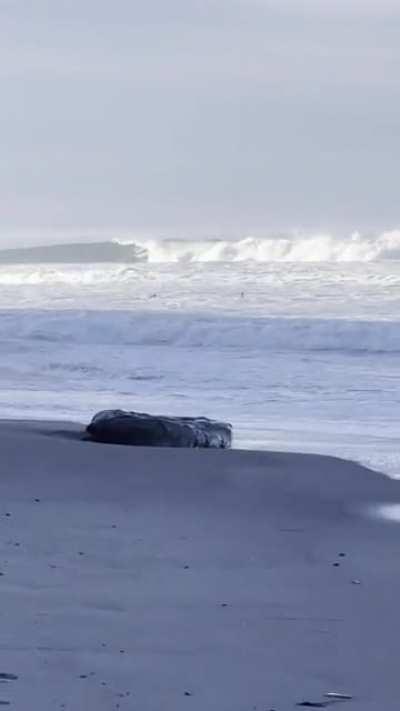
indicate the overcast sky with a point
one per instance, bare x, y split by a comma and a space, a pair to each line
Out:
193, 117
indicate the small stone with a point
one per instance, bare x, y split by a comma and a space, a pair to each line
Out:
356, 582
342, 555
336, 565
122, 651
224, 604
37, 501
83, 676
8, 514
188, 693
186, 567
81, 553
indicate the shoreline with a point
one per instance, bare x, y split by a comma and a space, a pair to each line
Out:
242, 579
72, 429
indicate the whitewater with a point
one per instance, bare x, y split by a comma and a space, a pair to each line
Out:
295, 340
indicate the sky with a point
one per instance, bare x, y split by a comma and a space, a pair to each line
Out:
198, 117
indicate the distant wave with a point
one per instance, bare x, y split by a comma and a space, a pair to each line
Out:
317, 248
102, 328
313, 248
74, 253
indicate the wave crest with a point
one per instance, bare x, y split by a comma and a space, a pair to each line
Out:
288, 248
317, 248
102, 328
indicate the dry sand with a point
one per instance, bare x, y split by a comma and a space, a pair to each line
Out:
179, 580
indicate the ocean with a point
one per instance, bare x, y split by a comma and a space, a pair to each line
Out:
294, 339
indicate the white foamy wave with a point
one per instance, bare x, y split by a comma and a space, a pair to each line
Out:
64, 274
317, 248
154, 329
286, 248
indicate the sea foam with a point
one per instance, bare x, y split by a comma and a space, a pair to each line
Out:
293, 248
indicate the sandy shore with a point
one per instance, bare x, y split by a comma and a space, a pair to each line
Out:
169, 580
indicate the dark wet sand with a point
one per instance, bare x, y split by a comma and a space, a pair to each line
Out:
167, 580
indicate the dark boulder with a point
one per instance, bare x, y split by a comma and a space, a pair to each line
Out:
136, 428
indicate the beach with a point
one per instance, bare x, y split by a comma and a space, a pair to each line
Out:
176, 579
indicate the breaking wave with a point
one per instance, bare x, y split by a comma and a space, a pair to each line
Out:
298, 248
318, 248
122, 328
